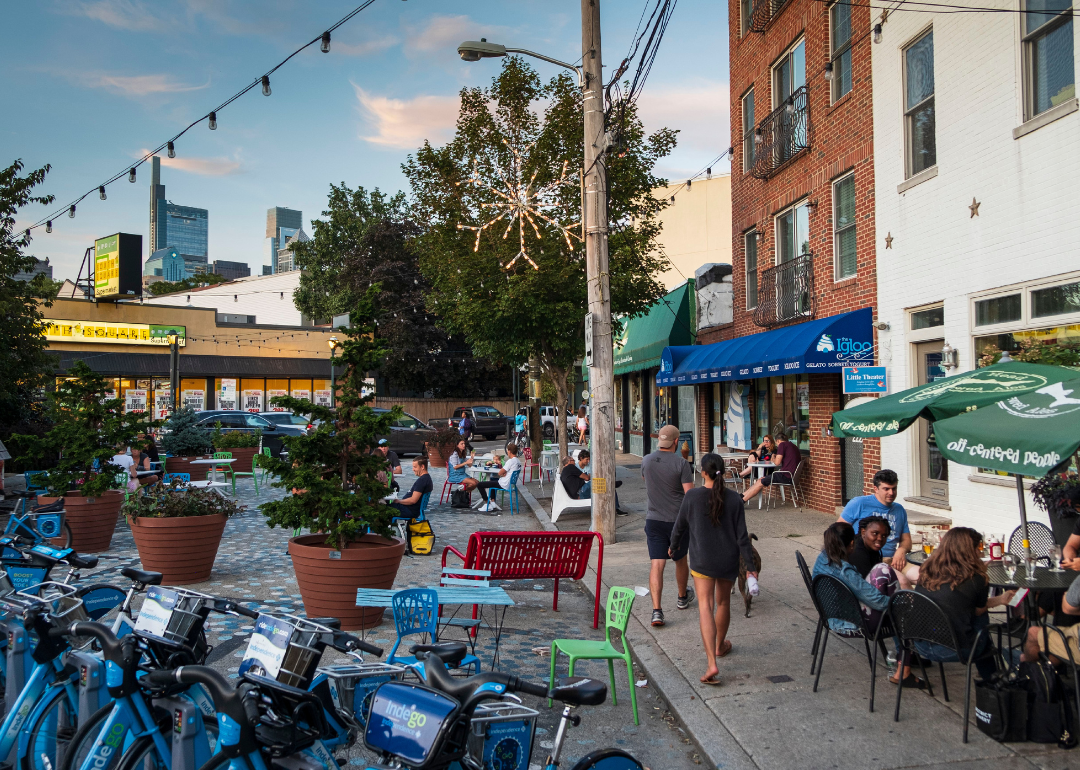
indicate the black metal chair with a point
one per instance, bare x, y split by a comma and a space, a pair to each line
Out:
1040, 539
916, 617
1047, 630
809, 581
836, 601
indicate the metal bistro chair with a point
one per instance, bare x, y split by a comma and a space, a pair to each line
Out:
1040, 539
782, 479
515, 501
836, 601
416, 612
1074, 665
732, 477
447, 484
809, 581
919, 618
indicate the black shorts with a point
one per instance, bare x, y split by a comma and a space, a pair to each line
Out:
658, 536
768, 477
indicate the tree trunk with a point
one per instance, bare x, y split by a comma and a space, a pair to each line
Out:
558, 377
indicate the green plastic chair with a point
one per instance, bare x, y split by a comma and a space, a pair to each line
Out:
620, 601
265, 472
225, 468
254, 474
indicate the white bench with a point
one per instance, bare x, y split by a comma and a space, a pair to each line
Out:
561, 501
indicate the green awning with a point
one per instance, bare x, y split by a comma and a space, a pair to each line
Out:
670, 321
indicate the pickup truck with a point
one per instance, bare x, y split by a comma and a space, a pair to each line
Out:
488, 421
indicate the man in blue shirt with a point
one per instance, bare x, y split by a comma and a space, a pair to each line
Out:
882, 503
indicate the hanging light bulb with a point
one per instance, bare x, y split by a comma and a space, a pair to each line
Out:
213, 121
877, 33
48, 226
131, 175
71, 211
172, 149
27, 234
325, 45
828, 71
101, 192
266, 85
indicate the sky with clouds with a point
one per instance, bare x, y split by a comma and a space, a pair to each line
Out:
93, 84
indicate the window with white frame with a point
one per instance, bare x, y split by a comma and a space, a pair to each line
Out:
919, 123
1048, 55
1047, 310
844, 259
749, 151
840, 43
750, 240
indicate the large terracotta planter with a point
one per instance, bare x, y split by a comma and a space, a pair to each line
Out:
328, 585
92, 519
435, 457
242, 457
184, 465
181, 549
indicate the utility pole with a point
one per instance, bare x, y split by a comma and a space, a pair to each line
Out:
601, 373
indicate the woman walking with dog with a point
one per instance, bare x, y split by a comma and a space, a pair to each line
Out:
713, 519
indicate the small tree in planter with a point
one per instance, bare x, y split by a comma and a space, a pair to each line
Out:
186, 441
178, 532
340, 497
87, 427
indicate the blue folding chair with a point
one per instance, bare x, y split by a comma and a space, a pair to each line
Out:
515, 501
416, 611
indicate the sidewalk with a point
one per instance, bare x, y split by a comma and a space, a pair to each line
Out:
765, 714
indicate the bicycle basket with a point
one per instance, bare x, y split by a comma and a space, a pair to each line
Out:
285, 649
502, 735
410, 722
352, 687
173, 618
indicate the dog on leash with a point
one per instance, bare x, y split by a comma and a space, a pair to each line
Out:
746, 597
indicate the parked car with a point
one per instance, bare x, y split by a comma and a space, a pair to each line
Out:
488, 421
407, 433
247, 422
289, 418
547, 420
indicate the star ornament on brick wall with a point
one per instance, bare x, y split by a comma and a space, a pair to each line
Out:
974, 208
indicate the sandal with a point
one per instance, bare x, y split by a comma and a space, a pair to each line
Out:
911, 682
713, 681
725, 650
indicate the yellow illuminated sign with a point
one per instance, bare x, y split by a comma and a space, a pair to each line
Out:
112, 333
107, 266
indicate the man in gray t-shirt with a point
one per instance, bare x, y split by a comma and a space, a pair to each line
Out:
1070, 605
668, 477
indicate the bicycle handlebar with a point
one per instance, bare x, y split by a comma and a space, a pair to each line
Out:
343, 642
230, 605
237, 704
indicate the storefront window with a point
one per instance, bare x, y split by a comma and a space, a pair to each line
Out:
802, 413
636, 403
618, 405
193, 393
227, 393
252, 395
657, 396
276, 388
162, 399
320, 392
761, 410
300, 389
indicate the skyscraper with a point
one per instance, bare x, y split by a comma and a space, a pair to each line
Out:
183, 227
281, 224
157, 204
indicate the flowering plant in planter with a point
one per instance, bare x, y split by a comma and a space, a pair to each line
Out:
162, 502
88, 423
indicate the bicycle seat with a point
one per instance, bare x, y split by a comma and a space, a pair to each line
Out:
141, 576
83, 562
580, 691
448, 652
53, 507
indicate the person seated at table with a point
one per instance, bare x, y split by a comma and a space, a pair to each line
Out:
502, 481
409, 507
123, 460
786, 458
148, 455
763, 453
1036, 641
458, 465
882, 503
578, 484
392, 463
955, 578
1071, 549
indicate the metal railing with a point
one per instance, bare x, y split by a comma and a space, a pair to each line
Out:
763, 12
786, 292
782, 135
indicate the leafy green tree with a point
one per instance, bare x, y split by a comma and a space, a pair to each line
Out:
333, 465
88, 427
24, 360
366, 239
511, 314
168, 287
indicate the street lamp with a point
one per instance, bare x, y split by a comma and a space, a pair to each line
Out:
333, 343
594, 201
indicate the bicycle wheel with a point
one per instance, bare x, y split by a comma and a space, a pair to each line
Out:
50, 735
142, 755
221, 762
67, 536
608, 759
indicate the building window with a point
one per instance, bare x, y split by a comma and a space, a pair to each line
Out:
927, 319
1055, 300
998, 310
746, 11
844, 227
789, 74
919, 104
748, 130
750, 240
1048, 54
840, 37
793, 233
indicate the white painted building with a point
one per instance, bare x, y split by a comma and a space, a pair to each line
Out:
976, 133
261, 299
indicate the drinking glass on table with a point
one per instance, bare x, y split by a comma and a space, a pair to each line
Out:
927, 544
1056, 555
1008, 561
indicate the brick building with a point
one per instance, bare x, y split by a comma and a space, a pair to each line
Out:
803, 252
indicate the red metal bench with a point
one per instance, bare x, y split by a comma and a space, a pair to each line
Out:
533, 555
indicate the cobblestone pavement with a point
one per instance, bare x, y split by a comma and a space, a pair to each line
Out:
253, 565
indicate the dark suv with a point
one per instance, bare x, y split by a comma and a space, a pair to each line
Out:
408, 434
245, 422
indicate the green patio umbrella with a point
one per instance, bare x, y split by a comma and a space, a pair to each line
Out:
946, 397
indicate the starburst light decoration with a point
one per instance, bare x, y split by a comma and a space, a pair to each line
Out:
518, 201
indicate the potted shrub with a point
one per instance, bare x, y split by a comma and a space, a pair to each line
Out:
442, 446
186, 441
178, 532
1054, 493
242, 446
338, 495
86, 428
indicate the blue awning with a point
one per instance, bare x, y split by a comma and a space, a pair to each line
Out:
824, 345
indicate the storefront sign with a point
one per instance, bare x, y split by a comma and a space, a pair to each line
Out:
227, 395
302, 394
322, 398
802, 395
107, 266
112, 333
865, 379
253, 400
270, 395
144, 384
162, 403
194, 399
135, 401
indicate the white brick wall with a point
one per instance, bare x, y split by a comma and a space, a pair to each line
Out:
1028, 225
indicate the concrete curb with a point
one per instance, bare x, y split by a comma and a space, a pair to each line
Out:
717, 744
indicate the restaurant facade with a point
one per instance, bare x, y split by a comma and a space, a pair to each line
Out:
220, 365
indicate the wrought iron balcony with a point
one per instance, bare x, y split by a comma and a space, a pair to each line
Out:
782, 135
763, 12
786, 292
